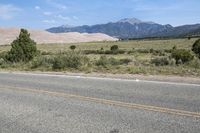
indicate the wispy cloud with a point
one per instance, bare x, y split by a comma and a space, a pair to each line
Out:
75, 17
62, 17
52, 21
37, 8
47, 13
157, 7
8, 11
56, 4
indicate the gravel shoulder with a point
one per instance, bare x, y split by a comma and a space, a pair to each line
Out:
160, 78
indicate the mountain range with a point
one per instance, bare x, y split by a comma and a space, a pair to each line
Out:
132, 28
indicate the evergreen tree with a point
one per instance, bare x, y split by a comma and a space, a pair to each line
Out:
23, 48
196, 48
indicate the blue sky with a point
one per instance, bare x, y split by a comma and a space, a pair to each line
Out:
43, 14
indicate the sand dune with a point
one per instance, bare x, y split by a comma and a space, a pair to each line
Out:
7, 35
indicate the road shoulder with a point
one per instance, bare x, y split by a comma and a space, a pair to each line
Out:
159, 78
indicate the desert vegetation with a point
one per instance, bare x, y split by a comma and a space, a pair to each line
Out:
166, 57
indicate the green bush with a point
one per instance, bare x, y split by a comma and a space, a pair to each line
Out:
195, 63
2, 61
114, 48
143, 50
104, 61
3, 55
23, 48
125, 61
109, 52
42, 61
174, 48
151, 50
72, 47
69, 60
160, 61
46, 53
183, 55
172, 62
196, 48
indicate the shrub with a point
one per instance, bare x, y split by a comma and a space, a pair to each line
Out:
69, 60
114, 48
125, 61
3, 55
58, 63
172, 62
183, 55
42, 61
143, 50
104, 61
160, 61
46, 53
23, 48
2, 61
194, 63
151, 50
114, 62
196, 48
174, 48
73, 47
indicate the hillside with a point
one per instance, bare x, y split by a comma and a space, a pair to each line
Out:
7, 35
130, 28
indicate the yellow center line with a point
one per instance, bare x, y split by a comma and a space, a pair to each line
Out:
110, 102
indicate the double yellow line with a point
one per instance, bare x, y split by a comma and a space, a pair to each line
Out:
109, 102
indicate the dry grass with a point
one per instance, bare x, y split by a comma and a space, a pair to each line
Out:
128, 45
140, 61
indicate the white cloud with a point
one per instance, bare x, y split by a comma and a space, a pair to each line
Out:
157, 7
63, 7
75, 17
63, 17
8, 11
47, 13
56, 4
49, 21
37, 8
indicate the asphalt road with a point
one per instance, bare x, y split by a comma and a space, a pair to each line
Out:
37, 103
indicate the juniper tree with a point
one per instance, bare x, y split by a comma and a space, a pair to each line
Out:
23, 48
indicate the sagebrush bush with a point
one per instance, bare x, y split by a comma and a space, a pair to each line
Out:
104, 61
114, 48
42, 61
195, 63
108, 52
196, 48
125, 61
69, 60
183, 55
2, 61
46, 53
3, 55
160, 61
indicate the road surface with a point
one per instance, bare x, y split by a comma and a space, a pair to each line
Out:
41, 103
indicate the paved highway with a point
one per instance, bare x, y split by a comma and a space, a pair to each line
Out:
41, 103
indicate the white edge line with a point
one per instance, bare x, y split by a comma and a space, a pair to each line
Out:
103, 78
